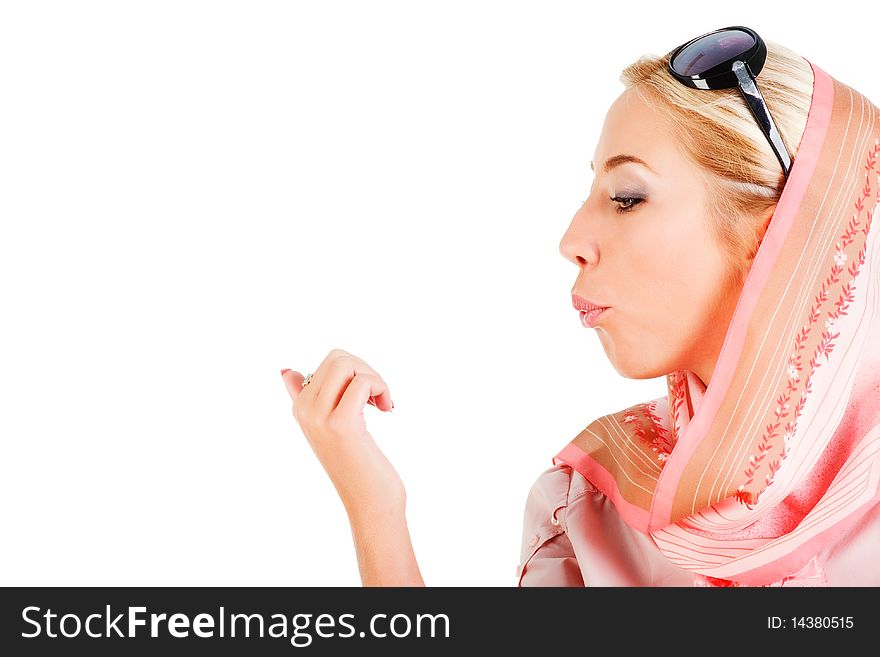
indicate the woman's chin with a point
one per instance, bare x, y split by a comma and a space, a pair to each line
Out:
630, 370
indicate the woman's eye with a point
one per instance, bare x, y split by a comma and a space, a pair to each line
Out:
629, 201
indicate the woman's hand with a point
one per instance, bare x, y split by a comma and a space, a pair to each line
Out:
330, 412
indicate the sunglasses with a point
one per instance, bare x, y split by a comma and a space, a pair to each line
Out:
726, 58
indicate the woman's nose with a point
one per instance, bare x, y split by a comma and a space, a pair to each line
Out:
577, 245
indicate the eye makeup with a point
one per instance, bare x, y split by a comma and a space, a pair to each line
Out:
630, 196
626, 199
630, 201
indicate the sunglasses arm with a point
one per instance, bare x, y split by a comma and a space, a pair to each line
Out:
755, 101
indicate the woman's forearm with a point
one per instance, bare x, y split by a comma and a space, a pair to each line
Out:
384, 550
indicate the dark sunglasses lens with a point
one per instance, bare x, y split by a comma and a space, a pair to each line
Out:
711, 50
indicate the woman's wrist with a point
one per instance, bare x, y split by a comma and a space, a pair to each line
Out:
369, 510
383, 546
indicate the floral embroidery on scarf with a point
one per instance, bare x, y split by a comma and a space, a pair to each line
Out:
662, 440
649, 428
678, 389
824, 346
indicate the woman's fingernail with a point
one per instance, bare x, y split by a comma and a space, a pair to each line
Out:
283, 371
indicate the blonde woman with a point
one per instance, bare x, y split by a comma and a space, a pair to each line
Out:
729, 243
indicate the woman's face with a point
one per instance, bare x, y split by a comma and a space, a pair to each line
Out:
652, 261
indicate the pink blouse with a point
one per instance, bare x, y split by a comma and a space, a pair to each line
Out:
573, 536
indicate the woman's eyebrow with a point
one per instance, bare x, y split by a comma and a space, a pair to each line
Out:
617, 160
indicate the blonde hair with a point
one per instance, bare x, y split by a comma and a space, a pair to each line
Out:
716, 129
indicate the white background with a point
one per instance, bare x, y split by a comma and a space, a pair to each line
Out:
195, 195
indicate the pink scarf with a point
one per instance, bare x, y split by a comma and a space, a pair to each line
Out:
746, 481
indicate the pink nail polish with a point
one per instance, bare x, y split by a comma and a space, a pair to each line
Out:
284, 371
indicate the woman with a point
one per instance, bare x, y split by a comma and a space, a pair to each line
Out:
727, 243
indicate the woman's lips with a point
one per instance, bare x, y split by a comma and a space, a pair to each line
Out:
579, 303
591, 317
